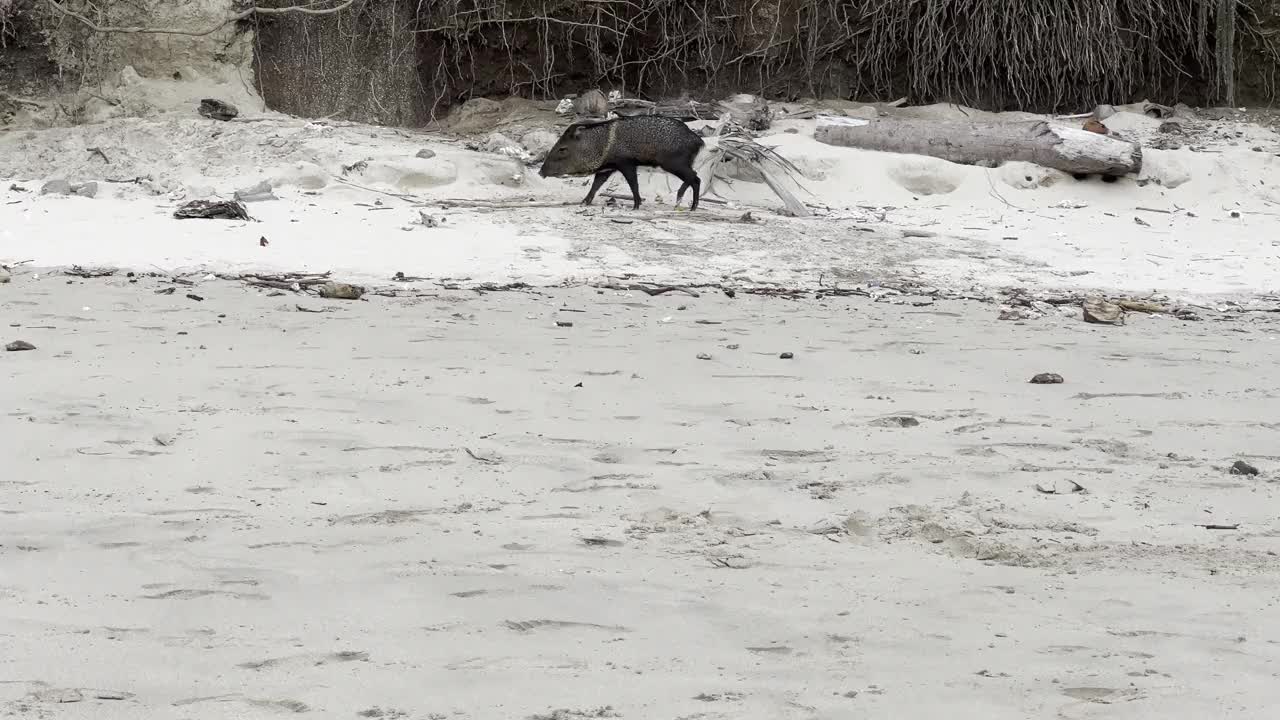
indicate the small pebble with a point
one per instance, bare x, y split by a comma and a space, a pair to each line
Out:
1240, 467
19, 345
1047, 379
704, 356
786, 356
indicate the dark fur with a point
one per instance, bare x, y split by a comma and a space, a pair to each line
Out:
622, 145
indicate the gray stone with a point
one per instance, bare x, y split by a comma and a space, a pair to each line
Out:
340, 291
426, 154
539, 142
88, 189
256, 193
56, 187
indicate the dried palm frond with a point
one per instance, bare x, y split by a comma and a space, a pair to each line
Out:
731, 143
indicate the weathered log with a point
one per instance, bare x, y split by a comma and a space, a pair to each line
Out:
987, 143
684, 111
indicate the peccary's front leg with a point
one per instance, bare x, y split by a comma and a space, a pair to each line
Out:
629, 172
601, 177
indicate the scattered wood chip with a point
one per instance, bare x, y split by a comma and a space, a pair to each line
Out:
212, 210
481, 458
1060, 487
1047, 379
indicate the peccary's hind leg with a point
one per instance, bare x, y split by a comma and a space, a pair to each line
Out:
629, 172
601, 177
691, 180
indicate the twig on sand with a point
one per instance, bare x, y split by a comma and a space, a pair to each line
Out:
295, 282
650, 290
366, 188
481, 458
497, 204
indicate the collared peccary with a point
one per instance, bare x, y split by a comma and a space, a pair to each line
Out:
622, 145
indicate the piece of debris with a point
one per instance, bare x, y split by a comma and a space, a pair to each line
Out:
162, 440
786, 356
340, 291
193, 296
1060, 487
1017, 313
212, 210
425, 154
263, 241
1140, 221
564, 323
601, 542
1098, 310
426, 220
85, 189
90, 272
166, 291
217, 110
1094, 125
1047, 379
1240, 467
5, 277
704, 356
1142, 306
256, 193
56, 187
896, 421
1216, 526
750, 111
19, 346
481, 458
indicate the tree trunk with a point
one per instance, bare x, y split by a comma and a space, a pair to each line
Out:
1225, 49
986, 143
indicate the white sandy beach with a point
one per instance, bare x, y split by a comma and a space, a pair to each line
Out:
577, 502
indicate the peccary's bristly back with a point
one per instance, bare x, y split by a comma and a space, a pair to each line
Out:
642, 140
654, 139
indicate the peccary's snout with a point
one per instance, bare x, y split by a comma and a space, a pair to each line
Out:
542, 171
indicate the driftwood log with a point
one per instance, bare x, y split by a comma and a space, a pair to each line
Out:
988, 144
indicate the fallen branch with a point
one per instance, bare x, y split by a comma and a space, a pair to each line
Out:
986, 143
646, 289
22, 101
498, 204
